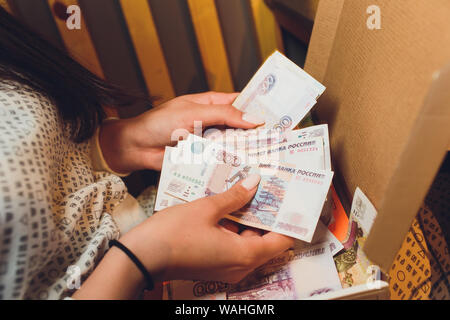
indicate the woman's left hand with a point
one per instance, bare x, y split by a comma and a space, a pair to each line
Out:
139, 143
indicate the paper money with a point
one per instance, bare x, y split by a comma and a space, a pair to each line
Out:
170, 163
264, 146
304, 153
295, 170
186, 169
312, 132
195, 290
352, 264
251, 140
295, 274
199, 163
238, 139
165, 201
308, 133
280, 92
288, 200
322, 235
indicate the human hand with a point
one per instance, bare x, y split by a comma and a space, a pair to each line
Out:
187, 242
138, 143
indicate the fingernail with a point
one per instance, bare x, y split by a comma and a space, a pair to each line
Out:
253, 118
251, 181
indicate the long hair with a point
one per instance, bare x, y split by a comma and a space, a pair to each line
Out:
79, 95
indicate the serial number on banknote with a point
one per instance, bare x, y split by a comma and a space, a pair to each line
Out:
194, 180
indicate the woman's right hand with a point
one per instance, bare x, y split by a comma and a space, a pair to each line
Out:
187, 241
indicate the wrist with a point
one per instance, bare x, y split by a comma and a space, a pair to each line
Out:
128, 269
112, 142
116, 277
152, 251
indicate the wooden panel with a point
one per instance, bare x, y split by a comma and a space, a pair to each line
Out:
148, 49
291, 21
267, 29
108, 31
307, 8
211, 44
240, 40
37, 13
177, 35
78, 42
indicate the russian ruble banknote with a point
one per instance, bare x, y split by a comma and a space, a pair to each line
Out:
294, 165
314, 132
322, 235
280, 92
185, 169
296, 274
195, 290
239, 139
256, 139
352, 264
288, 200
170, 162
255, 142
304, 153
171, 167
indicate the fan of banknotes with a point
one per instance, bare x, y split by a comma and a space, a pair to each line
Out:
294, 165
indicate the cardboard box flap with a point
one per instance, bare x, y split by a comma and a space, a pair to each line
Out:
322, 39
386, 106
418, 164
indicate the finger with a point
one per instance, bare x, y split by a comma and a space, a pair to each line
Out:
232, 200
212, 97
153, 160
277, 242
222, 114
229, 225
251, 232
268, 246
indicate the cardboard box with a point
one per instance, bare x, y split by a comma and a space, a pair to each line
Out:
387, 107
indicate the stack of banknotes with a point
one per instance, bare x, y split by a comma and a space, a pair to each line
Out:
303, 272
295, 170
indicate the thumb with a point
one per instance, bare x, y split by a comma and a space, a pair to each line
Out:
220, 114
235, 198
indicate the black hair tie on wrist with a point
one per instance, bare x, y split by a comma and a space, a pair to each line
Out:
137, 262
